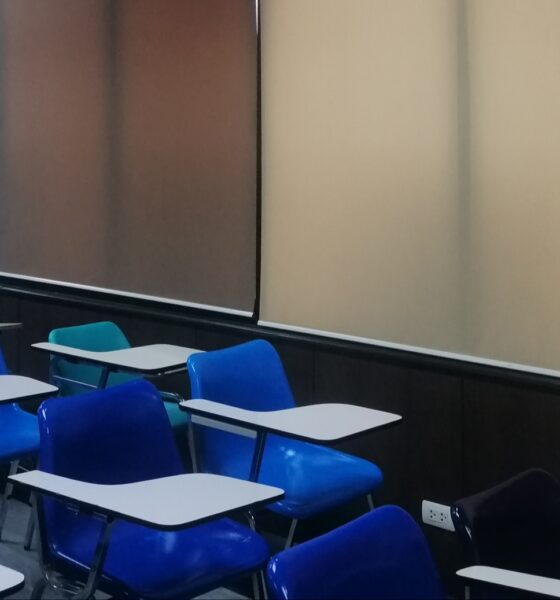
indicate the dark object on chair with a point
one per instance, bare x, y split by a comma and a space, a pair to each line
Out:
514, 525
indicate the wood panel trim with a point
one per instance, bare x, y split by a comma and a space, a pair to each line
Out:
249, 326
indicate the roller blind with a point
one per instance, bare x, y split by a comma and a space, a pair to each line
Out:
128, 146
411, 184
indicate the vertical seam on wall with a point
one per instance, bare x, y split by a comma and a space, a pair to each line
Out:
113, 108
463, 161
313, 373
464, 192
463, 435
258, 236
2, 113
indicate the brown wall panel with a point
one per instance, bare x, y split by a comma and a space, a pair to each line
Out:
128, 146
186, 156
508, 429
429, 434
9, 340
54, 101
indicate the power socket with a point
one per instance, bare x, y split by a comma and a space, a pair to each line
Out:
438, 515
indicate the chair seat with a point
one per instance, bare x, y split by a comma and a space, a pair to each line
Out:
158, 564
315, 478
20, 433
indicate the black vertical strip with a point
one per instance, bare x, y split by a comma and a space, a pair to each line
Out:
464, 163
463, 437
464, 193
113, 213
3, 203
257, 308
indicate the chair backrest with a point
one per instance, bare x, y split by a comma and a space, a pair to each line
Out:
12, 409
382, 554
102, 336
249, 376
118, 435
514, 525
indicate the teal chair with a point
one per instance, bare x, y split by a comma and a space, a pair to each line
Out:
74, 378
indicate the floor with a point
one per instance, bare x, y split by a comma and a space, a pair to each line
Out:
12, 554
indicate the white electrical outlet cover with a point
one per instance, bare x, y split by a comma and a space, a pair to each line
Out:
437, 515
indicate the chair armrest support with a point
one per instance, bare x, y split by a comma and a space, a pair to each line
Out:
171, 396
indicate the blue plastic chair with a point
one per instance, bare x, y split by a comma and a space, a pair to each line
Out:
75, 378
121, 435
380, 555
19, 439
315, 478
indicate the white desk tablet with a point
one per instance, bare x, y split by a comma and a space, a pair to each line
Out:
534, 584
16, 388
8, 326
154, 359
316, 422
166, 503
10, 581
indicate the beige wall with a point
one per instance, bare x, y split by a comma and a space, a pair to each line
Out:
360, 201
514, 208
411, 185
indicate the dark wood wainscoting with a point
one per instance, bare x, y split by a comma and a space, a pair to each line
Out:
465, 427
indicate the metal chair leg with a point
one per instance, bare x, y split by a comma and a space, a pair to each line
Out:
192, 445
30, 530
290, 538
59, 585
38, 589
371, 505
7, 493
252, 521
97, 563
263, 584
256, 589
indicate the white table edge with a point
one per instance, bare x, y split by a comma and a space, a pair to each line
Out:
503, 577
89, 356
239, 421
10, 326
12, 587
91, 507
48, 390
